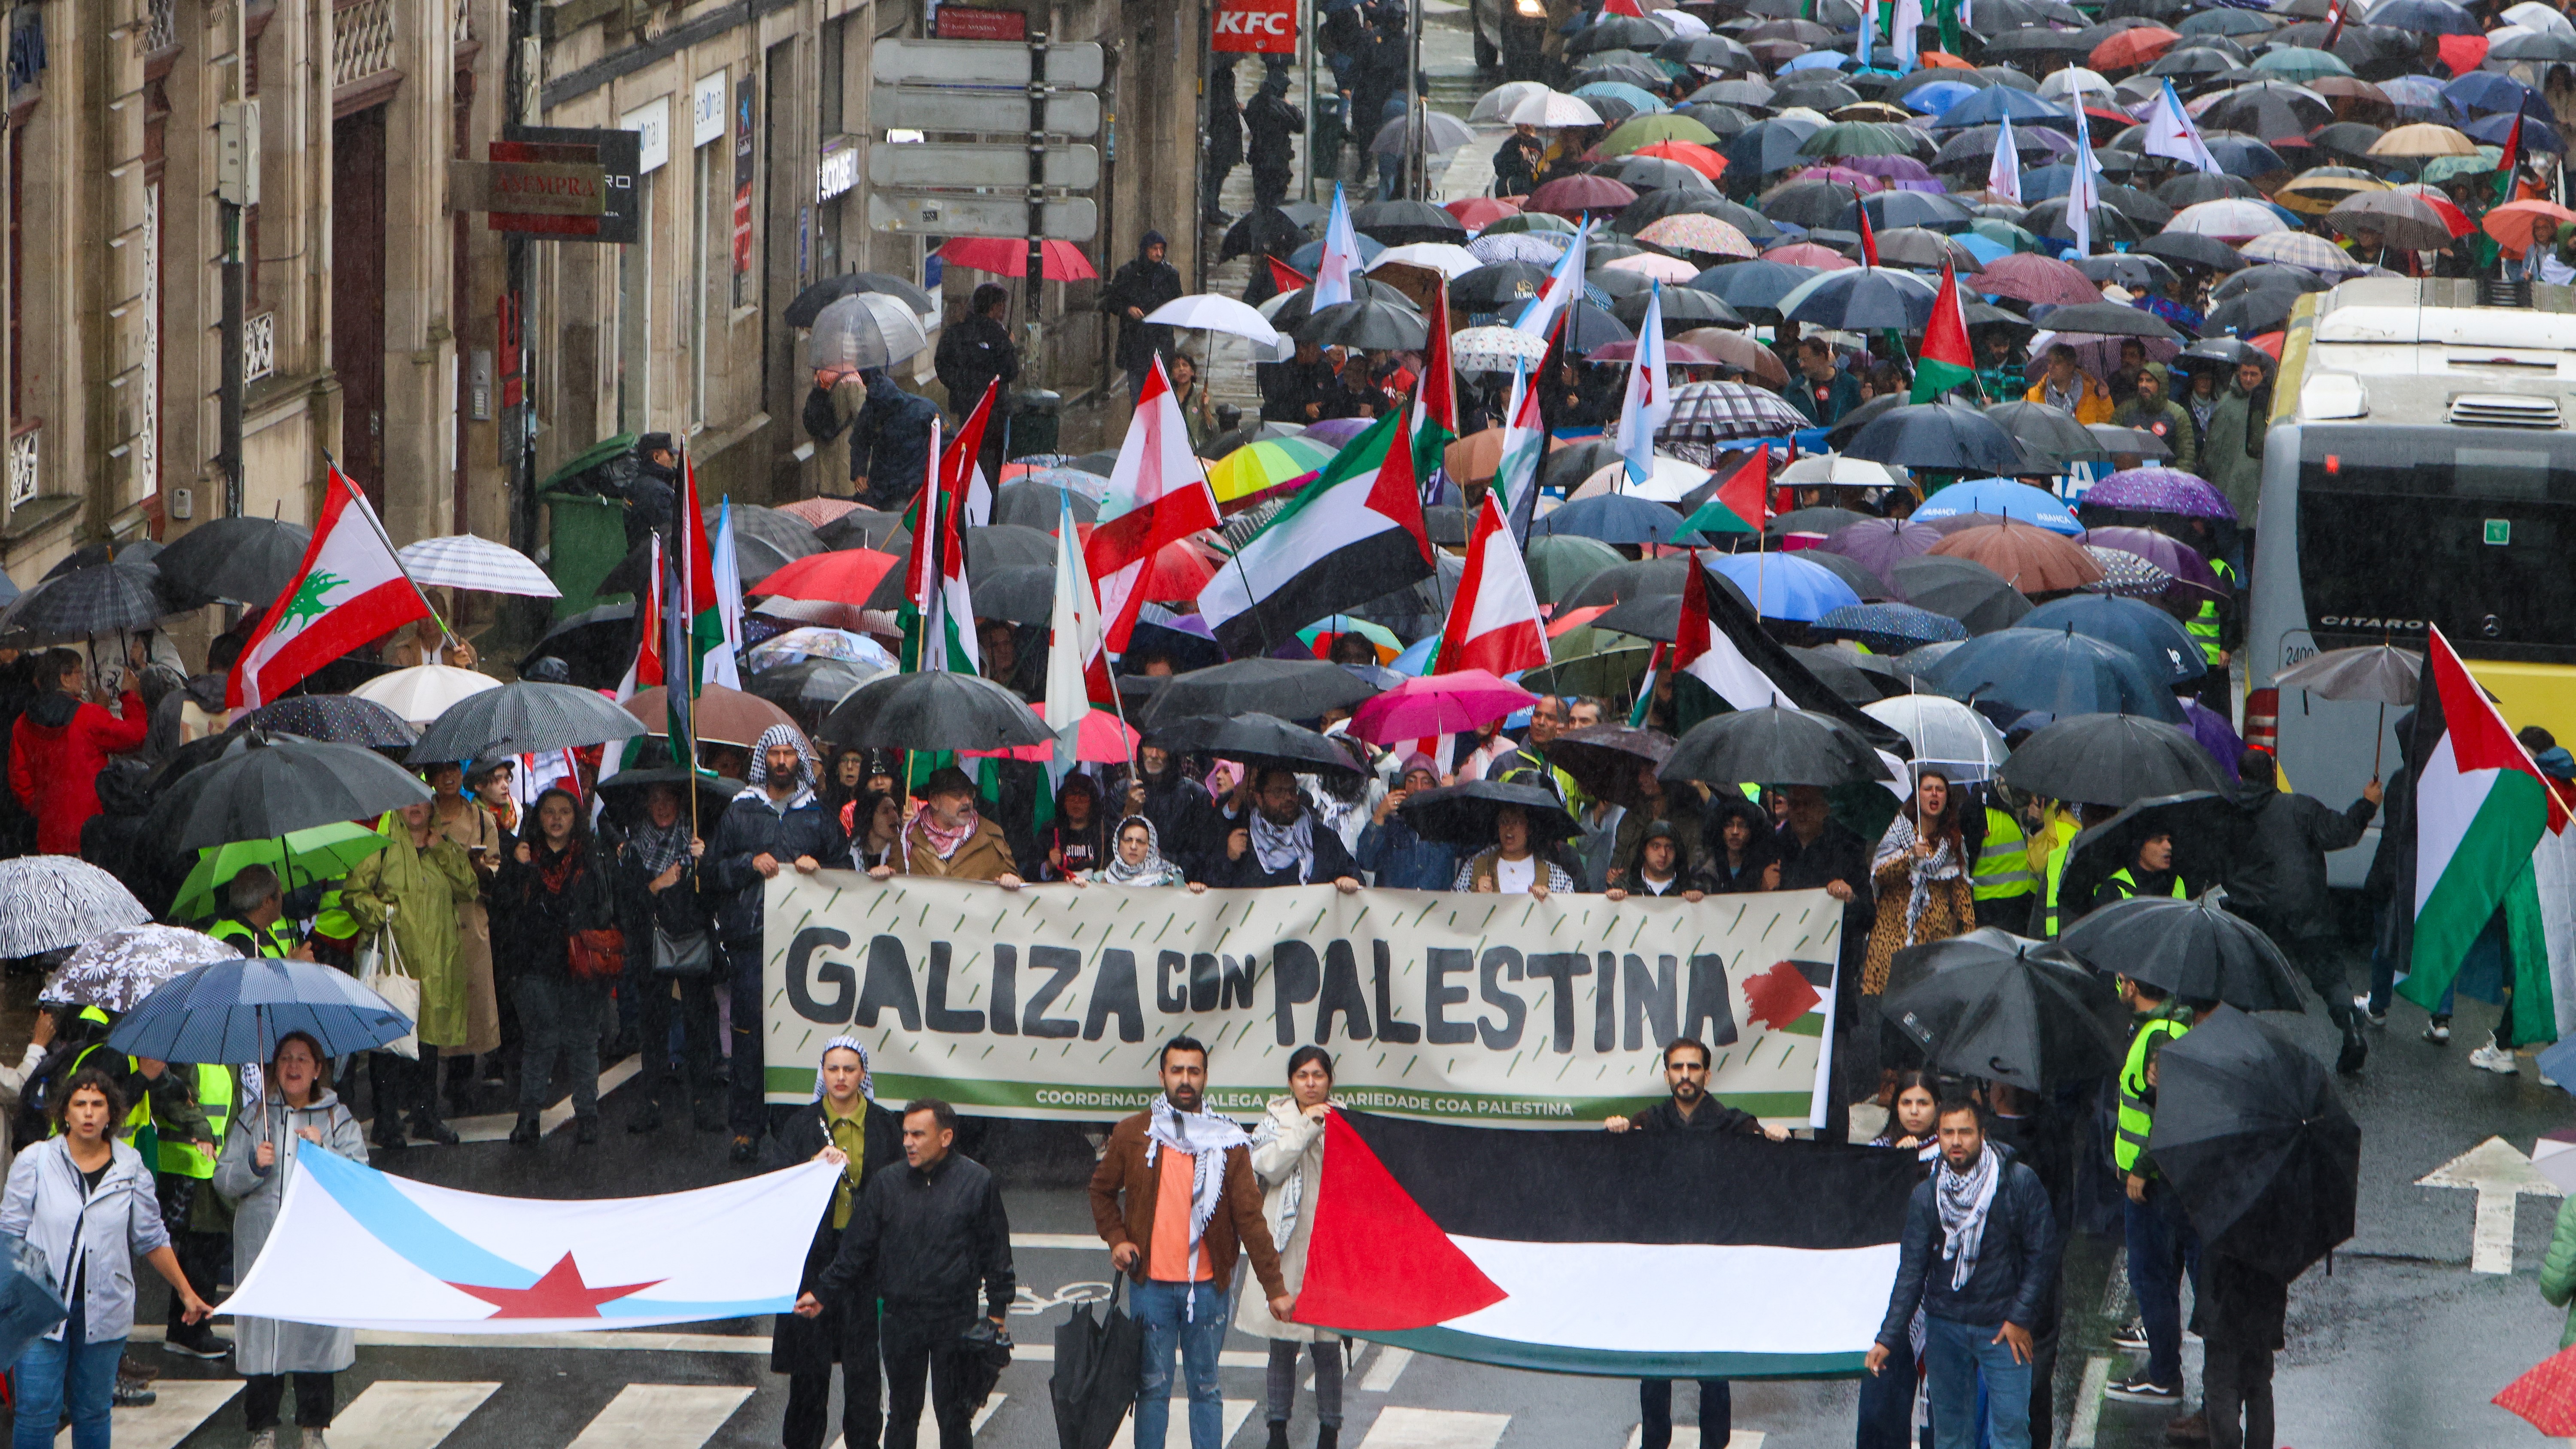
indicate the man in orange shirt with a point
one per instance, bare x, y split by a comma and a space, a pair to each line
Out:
1175, 1197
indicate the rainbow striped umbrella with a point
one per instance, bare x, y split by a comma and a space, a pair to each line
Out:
1250, 471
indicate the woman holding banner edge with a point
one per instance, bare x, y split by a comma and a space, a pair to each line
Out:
845, 1126
1288, 1157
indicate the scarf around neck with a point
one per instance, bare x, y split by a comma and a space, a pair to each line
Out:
1964, 1198
1282, 847
1944, 865
658, 848
1152, 871
1206, 1137
944, 840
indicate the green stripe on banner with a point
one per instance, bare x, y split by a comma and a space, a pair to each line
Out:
1608, 1363
1067, 1101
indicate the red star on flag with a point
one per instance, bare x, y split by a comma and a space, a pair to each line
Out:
559, 1294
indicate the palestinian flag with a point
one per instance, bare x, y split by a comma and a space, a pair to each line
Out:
1352, 535
350, 591
698, 600
1946, 360
1435, 398
2480, 811
1736, 505
2506, 165
1634, 1255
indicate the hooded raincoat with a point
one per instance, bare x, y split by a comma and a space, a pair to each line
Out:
418, 891
264, 1345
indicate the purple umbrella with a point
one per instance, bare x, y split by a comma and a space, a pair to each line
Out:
1881, 543
1334, 432
2160, 490
1893, 168
2215, 735
2179, 559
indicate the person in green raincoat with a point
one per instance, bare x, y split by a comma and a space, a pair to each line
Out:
410, 890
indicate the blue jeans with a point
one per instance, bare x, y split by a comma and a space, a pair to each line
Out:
49, 1372
2162, 1247
1955, 1356
1160, 1307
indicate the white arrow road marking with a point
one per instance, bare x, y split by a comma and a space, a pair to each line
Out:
2501, 1177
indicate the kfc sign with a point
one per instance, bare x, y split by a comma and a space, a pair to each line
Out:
1260, 27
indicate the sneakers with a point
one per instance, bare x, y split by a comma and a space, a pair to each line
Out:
2142, 1390
2496, 1059
2132, 1336
264, 1439
2378, 1016
196, 1341
313, 1438
2438, 1031
133, 1394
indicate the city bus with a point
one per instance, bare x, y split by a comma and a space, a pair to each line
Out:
2419, 469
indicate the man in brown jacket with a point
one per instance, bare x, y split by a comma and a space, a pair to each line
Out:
948, 837
1190, 1199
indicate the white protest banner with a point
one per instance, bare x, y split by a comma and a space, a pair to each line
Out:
1050, 1002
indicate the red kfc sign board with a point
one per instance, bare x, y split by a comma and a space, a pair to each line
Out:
1259, 27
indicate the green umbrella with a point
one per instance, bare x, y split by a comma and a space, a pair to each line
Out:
1531, 221
1557, 562
2443, 168
1610, 674
1639, 131
301, 857
2300, 63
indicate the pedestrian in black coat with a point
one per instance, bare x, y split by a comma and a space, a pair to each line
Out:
1273, 125
1270, 838
1224, 147
975, 351
2279, 882
1135, 291
2240, 1313
866, 1139
659, 887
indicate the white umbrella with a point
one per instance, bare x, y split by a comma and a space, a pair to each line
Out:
1944, 732
2539, 17
1492, 349
1447, 258
1209, 312
1442, 133
1665, 482
1835, 470
2231, 219
464, 561
423, 692
2073, 79
866, 329
1494, 104
48, 902
119, 969
1551, 109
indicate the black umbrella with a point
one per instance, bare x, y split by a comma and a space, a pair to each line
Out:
809, 683
1604, 760
524, 718
1567, 467
596, 645
2057, 672
2157, 638
937, 710
1399, 222
2209, 834
2051, 432
1772, 745
2194, 249
755, 558
865, 528
1839, 674
2254, 313
1021, 593
2195, 949
238, 560
1370, 326
1029, 503
1258, 741
1287, 688
2257, 1145
263, 786
341, 719
809, 304
1636, 579
1465, 814
1942, 436
1994, 1005
2111, 759
1096, 1364
1496, 286
102, 599
1268, 231
624, 791
2109, 319
1960, 589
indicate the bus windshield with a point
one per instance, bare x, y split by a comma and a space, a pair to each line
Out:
2469, 529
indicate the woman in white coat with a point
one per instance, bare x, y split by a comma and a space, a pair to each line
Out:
87, 1201
297, 1112
1288, 1157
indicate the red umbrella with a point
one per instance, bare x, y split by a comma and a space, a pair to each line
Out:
2032, 278
844, 576
2132, 48
1009, 257
1104, 739
1479, 212
1692, 154
1572, 196
1438, 704
2546, 1395
1179, 570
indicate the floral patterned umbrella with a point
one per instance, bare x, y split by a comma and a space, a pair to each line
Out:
1688, 231
116, 971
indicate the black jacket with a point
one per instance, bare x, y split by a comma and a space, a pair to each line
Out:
753, 827
890, 441
1183, 816
2016, 1260
1836, 855
972, 353
926, 1240
1332, 861
1144, 286
538, 924
2280, 878
1274, 126
683, 910
812, 1345
1287, 387
1712, 1116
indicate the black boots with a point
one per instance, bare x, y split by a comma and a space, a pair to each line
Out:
428, 1127
1278, 1434
525, 1133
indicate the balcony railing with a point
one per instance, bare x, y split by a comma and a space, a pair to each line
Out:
25, 459
362, 40
259, 346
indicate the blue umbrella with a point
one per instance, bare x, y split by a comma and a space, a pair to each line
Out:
2154, 636
1984, 248
1785, 586
1611, 518
2482, 92
1755, 284
234, 1010
2006, 499
1863, 299
2433, 17
2056, 671
1768, 146
1937, 96
1890, 628
2417, 98
1311, 255
2537, 135
1991, 105
1638, 96
2241, 156
1815, 60
2046, 183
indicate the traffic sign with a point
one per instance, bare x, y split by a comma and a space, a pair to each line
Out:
1072, 219
982, 63
941, 108
936, 165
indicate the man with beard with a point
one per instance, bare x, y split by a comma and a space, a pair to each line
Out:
1689, 1109
1175, 1199
1272, 839
774, 824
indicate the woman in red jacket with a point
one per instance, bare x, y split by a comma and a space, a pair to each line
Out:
59, 746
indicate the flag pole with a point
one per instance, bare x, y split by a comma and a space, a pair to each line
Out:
333, 464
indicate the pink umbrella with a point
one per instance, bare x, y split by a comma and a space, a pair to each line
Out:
1104, 739
1808, 254
1843, 176
1438, 704
2030, 277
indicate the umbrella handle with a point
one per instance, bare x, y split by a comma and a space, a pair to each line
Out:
2377, 741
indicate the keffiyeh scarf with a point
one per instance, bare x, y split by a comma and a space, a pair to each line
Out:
1943, 865
1206, 1137
1964, 1198
867, 1078
1152, 871
1280, 847
944, 839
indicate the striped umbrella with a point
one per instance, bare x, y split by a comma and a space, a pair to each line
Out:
2306, 250
464, 561
1248, 472
48, 902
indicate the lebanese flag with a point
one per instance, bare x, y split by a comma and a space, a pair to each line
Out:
2481, 810
1946, 360
1167, 499
350, 591
1493, 622
1561, 1251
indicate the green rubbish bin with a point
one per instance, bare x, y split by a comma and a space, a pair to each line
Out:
588, 536
1037, 416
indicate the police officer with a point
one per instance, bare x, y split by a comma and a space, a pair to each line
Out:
2149, 873
2002, 880
2161, 1243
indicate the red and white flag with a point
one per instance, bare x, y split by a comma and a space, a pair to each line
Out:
1170, 500
646, 671
1493, 623
350, 591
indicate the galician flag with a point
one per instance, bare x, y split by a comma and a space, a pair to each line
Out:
1493, 623
2481, 810
2171, 134
1648, 401
1341, 258
350, 591
1157, 495
1524, 444
1564, 288
1947, 360
2003, 174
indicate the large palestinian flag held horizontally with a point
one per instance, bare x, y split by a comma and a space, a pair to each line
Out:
1636, 1255
1352, 535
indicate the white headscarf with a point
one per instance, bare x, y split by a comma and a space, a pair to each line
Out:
867, 1079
